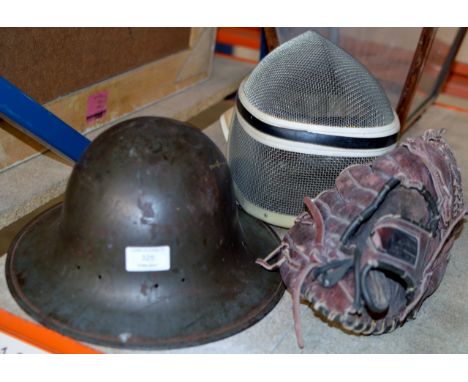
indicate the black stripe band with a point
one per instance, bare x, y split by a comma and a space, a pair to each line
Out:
319, 139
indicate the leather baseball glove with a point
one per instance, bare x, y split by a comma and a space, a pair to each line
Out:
367, 253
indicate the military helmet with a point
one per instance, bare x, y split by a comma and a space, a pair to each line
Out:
148, 249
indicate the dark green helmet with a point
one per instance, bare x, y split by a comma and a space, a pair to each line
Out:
148, 249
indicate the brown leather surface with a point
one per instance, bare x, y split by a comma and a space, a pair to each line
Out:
371, 250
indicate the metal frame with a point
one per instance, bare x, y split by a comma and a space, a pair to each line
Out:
35, 120
416, 70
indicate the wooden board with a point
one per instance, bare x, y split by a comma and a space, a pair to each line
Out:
48, 63
118, 95
29, 185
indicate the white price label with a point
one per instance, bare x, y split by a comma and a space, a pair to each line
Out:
12, 345
147, 259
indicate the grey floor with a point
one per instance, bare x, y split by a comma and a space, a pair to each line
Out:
440, 327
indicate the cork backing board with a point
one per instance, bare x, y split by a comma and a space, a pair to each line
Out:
92, 76
47, 63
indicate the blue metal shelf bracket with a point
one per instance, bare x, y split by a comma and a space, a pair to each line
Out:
32, 118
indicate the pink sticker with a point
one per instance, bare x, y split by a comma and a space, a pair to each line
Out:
97, 106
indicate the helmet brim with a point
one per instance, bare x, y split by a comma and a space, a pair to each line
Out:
232, 297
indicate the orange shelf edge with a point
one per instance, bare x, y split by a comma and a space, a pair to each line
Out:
40, 336
248, 38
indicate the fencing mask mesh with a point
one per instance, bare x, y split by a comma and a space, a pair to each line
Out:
307, 111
